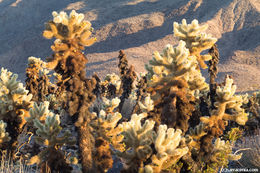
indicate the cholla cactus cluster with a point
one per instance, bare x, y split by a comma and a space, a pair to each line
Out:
166, 143
145, 122
49, 135
176, 64
138, 139
196, 40
227, 100
75, 28
37, 81
39, 112
14, 104
49, 131
13, 94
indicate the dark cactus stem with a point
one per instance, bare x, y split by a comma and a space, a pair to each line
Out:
177, 110
123, 63
55, 163
98, 88
141, 92
38, 86
127, 76
204, 109
213, 70
174, 107
79, 97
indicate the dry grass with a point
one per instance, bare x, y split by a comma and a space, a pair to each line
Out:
9, 166
250, 147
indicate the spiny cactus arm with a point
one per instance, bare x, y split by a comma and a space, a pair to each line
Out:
4, 136
222, 145
137, 139
196, 40
228, 100
13, 96
48, 132
197, 132
70, 27
240, 117
110, 105
39, 111
148, 104
166, 144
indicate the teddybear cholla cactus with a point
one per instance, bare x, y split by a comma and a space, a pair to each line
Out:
106, 132
39, 112
139, 140
14, 106
168, 152
200, 139
69, 62
49, 135
175, 77
227, 100
72, 33
196, 40
37, 81
176, 64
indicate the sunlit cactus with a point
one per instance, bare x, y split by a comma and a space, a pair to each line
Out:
137, 140
175, 64
49, 135
166, 143
14, 106
196, 40
72, 33
72, 26
147, 105
39, 112
49, 130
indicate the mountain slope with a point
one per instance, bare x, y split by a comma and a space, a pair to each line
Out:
140, 27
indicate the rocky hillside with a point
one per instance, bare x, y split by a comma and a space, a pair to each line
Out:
139, 27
